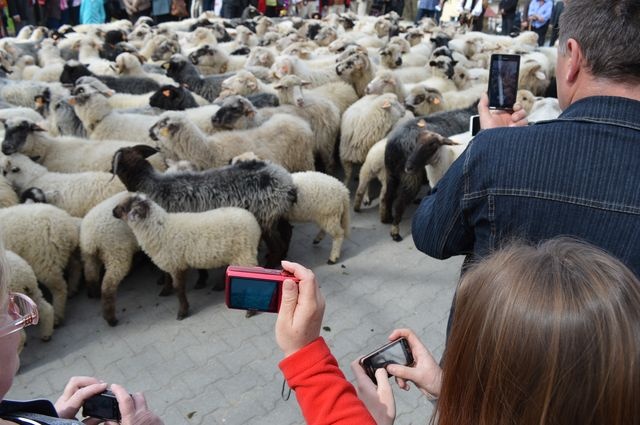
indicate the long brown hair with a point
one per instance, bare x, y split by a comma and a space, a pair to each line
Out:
544, 335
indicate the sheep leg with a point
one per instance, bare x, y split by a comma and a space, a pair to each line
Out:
386, 202
337, 233
58, 287
408, 191
321, 234
92, 267
178, 279
363, 184
115, 272
45, 311
348, 171
74, 274
203, 276
167, 288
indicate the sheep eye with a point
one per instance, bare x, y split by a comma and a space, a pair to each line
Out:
80, 90
15, 170
419, 99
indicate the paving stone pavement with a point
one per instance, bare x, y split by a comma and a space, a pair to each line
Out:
216, 366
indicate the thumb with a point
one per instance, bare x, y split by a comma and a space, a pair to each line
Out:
404, 372
289, 299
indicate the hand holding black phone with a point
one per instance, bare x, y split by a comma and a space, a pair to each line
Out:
395, 352
503, 81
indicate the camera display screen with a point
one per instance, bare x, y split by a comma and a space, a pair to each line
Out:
253, 294
503, 81
394, 354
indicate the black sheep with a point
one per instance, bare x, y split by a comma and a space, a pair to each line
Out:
123, 84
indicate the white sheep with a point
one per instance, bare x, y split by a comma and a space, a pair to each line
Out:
323, 200
283, 139
77, 192
244, 83
24, 281
373, 167
177, 242
440, 162
46, 237
363, 124
130, 65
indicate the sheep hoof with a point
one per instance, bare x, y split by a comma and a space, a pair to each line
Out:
182, 315
356, 209
330, 261
396, 238
166, 291
367, 202
250, 313
386, 220
316, 241
112, 322
45, 338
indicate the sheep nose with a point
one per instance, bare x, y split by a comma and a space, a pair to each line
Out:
338, 70
399, 62
7, 150
410, 107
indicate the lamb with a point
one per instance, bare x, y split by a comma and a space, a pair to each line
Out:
244, 83
283, 139
538, 108
533, 78
356, 70
286, 65
46, 237
24, 281
266, 190
66, 155
8, 196
128, 64
180, 241
185, 73
363, 124
174, 98
373, 167
321, 113
132, 85
386, 82
79, 192
442, 159
101, 122
423, 100
22, 93
427, 133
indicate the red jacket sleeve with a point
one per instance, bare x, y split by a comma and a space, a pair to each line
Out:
324, 394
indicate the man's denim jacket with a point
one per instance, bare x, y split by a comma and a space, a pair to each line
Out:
578, 175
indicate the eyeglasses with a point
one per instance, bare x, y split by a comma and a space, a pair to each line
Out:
22, 312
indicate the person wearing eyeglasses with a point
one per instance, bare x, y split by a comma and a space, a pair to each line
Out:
18, 311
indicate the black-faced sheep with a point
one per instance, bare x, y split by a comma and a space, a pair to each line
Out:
133, 85
185, 72
177, 242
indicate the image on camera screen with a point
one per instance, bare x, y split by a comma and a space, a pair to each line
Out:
503, 84
393, 355
252, 294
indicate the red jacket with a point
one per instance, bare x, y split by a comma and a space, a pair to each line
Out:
324, 394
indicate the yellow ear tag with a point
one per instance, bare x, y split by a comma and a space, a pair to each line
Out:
166, 93
422, 124
39, 102
164, 132
436, 101
386, 104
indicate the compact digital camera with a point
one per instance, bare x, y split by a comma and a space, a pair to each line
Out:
255, 288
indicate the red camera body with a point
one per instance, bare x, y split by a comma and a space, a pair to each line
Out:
255, 288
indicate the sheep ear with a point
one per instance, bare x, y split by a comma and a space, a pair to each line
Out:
166, 65
447, 141
436, 101
71, 101
107, 93
540, 75
386, 104
36, 127
144, 150
166, 93
421, 124
278, 86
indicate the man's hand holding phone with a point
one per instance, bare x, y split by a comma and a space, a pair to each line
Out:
500, 118
301, 310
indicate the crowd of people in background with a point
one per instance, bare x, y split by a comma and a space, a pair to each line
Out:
534, 15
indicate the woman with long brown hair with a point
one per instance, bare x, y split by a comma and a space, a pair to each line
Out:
542, 335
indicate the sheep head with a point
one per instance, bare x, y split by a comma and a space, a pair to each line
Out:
134, 208
423, 100
164, 130
385, 82
526, 99
236, 112
391, 56
290, 88
16, 132
427, 144
243, 83
206, 50
87, 90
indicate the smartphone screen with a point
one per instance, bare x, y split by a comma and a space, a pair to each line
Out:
253, 294
474, 124
396, 352
102, 406
503, 81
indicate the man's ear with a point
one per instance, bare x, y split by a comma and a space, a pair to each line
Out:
575, 60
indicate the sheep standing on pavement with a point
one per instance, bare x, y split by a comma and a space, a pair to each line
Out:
177, 242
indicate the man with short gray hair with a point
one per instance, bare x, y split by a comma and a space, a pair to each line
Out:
577, 175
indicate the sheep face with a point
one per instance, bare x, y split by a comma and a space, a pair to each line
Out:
204, 55
260, 57
73, 70
353, 64
282, 66
460, 77
427, 145
234, 113
174, 66
384, 83
402, 44
165, 49
326, 36
171, 98
442, 66
424, 100
14, 170
85, 93
299, 50
526, 99
133, 209
414, 37
290, 87
382, 27
441, 51
339, 45
440, 39
128, 159
165, 128
391, 56
16, 132
243, 83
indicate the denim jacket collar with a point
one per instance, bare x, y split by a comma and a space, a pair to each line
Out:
620, 111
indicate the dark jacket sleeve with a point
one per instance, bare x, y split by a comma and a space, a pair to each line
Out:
439, 228
509, 6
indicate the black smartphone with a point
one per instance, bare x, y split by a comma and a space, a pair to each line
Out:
474, 124
102, 406
395, 352
503, 81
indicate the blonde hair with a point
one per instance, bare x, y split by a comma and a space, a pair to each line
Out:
4, 277
544, 335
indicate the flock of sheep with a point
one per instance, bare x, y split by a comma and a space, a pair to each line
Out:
194, 141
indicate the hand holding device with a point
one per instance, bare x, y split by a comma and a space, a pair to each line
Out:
425, 373
497, 118
395, 352
301, 310
102, 406
255, 288
378, 399
133, 408
504, 71
77, 390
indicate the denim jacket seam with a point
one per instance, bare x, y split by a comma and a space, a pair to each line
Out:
607, 121
610, 206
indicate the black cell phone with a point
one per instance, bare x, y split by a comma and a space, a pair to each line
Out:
474, 124
102, 406
395, 352
503, 81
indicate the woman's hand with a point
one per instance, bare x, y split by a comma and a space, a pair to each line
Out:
497, 118
133, 409
301, 310
425, 373
77, 391
378, 400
